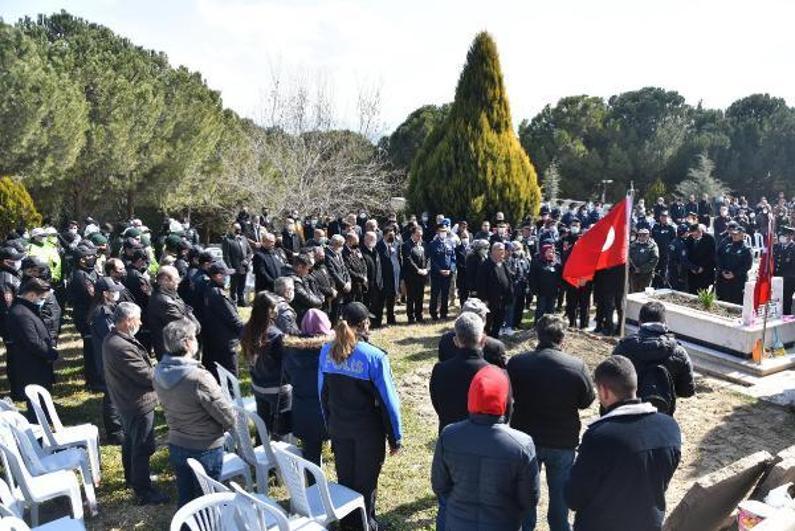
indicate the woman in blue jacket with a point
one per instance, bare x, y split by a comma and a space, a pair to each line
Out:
360, 405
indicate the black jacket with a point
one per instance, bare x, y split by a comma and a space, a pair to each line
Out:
267, 268
81, 291
387, 267
550, 388
337, 269
300, 361
305, 297
545, 277
139, 286
322, 281
164, 307
30, 349
493, 349
9, 285
623, 468
449, 385
414, 259
221, 325
375, 274
266, 372
357, 267
488, 472
237, 253
654, 345
494, 285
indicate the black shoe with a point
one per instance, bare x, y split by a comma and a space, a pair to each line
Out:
434, 318
391, 322
153, 497
411, 321
114, 439
420, 319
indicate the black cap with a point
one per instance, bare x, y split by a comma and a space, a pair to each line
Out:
138, 254
787, 230
36, 285
219, 266
205, 257
681, 229
695, 226
108, 284
355, 313
84, 251
33, 261
9, 253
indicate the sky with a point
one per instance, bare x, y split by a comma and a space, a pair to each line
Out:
410, 52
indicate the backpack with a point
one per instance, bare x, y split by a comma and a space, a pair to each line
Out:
656, 387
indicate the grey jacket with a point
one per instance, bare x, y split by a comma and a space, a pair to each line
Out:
488, 473
128, 374
643, 257
197, 413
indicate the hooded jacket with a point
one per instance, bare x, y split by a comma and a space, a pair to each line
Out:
625, 462
655, 345
197, 413
486, 470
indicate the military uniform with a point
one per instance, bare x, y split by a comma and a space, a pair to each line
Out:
784, 258
735, 258
662, 235
678, 265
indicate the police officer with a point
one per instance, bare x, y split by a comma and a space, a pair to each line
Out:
663, 233
678, 264
139, 284
784, 258
643, 258
734, 259
701, 255
81, 292
221, 325
442, 257
10, 263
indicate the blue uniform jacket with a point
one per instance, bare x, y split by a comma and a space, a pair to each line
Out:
442, 255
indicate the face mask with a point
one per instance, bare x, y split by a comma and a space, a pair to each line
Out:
390, 238
73, 230
323, 241
464, 241
186, 225
17, 264
575, 230
134, 331
424, 218
783, 239
314, 221
40, 302
115, 296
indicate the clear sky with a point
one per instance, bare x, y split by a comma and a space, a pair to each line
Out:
413, 50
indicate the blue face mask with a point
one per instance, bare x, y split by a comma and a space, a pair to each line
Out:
40, 302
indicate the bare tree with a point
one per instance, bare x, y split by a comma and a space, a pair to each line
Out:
309, 161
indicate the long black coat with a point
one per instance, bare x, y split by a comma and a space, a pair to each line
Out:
165, 307
237, 253
375, 273
267, 268
335, 264
221, 325
30, 349
493, 284
300, 361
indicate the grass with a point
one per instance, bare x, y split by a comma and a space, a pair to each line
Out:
718, 425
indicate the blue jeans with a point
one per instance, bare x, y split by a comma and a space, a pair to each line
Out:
440, 515
558, 464
187, 486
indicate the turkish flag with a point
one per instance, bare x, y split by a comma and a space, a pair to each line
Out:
764, 282
603, 246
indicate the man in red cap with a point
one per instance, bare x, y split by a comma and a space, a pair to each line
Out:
485, 470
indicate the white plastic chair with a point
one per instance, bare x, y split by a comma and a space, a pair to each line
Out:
61, 524
84, 435
229, 380
211, 512
7, 405
39, 489
268, 516
324, 502
40, 461
207, 484
262, 457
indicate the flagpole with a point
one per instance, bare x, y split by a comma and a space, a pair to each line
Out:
630, 206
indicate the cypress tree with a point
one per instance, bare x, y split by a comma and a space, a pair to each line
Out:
472, 165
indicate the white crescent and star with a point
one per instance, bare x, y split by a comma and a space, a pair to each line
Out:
609, 240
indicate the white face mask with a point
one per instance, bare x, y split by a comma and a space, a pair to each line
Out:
115, 296
783, 239
17, 264
134, 331
575, 230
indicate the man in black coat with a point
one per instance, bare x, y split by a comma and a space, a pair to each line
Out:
337, 270
34, 267
138, 283
237, 255
449, 383
81, 291
390, 251
321, 279
495, 287
374, 298
221, 323
415, 274
653, 346
305, 297
31, 352
165, 305
267, 264
626, 459
550, 388
291, 239
493, 349
357, 268
9, 283
701, 255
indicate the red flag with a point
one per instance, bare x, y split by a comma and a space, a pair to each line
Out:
604, 245
764, 283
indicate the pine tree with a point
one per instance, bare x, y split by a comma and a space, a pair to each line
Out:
472, 165
16, 206
701, 181
550, 182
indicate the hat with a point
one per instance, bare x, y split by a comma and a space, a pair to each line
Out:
9, 253
84, 251
681, 229
546, 246
488, 392
132, 232
50, 231
355, 313
38, 232
737, 228
695, 226
732, 225
787, 230
664, 213
476, 306
219, 266
442, 226
97, 238
172, 242
315, 323
108, 284
205, 256
643, 230
36, 285
33, 261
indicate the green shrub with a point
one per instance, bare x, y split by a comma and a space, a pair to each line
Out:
16, 206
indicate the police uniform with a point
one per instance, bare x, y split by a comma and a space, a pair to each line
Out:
784, 258
735, 258
678, 264
663, 235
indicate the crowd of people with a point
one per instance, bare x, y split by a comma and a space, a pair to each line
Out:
158, 315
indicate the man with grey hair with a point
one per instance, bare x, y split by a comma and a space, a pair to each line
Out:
165, 306
286, 316
335, 264
493, 349
494, 286
128, 375
450, 380
197, 413
550, 388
